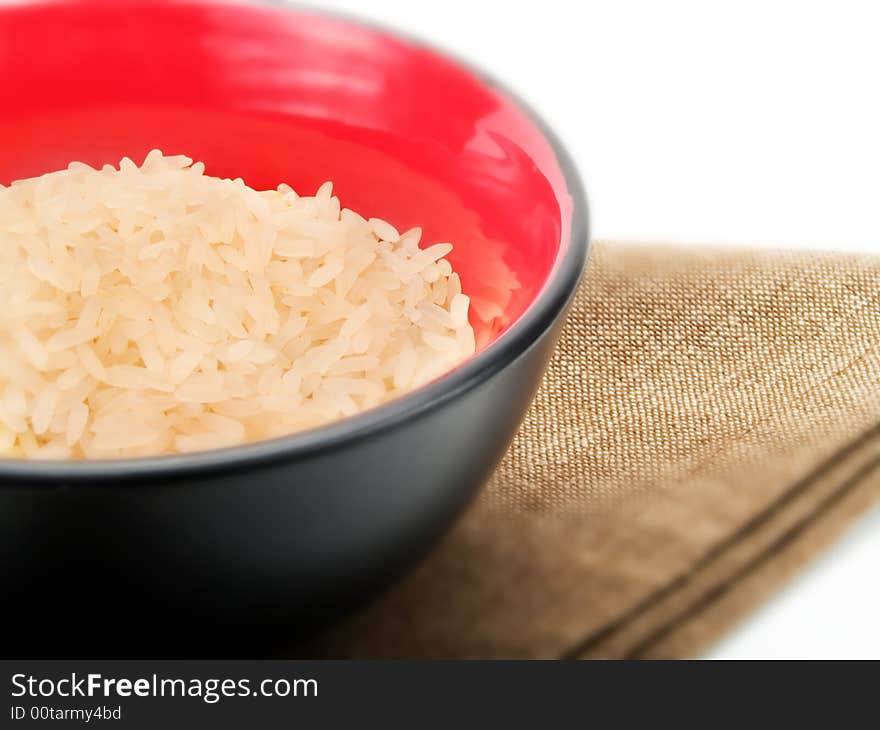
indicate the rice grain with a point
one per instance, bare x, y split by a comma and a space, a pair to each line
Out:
154, 309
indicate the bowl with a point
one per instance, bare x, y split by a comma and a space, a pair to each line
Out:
244, 551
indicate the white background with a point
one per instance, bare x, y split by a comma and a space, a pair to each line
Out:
743, 121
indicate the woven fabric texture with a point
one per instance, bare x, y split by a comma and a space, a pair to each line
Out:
708, 423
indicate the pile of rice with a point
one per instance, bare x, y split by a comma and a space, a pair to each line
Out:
157, 309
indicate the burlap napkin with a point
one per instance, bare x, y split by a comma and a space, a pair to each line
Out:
708, 423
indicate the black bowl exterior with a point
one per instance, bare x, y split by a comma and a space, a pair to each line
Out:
245, 551
236, 562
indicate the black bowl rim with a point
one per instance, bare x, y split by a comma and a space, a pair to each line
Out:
522, 335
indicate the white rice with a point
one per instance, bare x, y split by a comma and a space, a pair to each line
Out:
157, 309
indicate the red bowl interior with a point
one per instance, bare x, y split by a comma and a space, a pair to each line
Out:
274, 95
